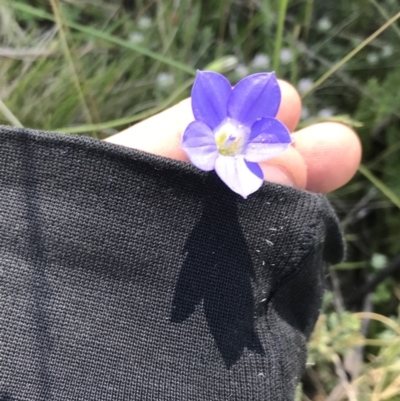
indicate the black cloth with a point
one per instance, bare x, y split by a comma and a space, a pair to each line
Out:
127, 276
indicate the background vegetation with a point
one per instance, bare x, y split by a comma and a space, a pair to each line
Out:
94, 66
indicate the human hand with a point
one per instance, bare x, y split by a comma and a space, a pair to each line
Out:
323, 157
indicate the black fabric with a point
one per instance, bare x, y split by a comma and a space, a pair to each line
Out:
126, 276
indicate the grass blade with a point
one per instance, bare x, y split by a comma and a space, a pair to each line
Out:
345, 59
385, 15
64, 44
128, 120
380, 185
279, 32
380, 318
349, 266
105, 36
8, 114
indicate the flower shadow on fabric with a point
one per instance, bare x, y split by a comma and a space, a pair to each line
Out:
40, 287
218, 270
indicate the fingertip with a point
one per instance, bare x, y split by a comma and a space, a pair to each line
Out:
332, 154
286, 169
290, 110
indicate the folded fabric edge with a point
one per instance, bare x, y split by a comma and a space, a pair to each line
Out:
122, 153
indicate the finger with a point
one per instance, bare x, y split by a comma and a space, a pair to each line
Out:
162, 133
290, 111
331, 153
287, 169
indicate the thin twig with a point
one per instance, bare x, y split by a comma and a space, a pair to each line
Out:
316, 382
338, 298
351, 394
375, 280
385, 15
361, 204
354, 359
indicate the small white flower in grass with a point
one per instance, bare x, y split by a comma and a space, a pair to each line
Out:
261, 61
136, 37
286, 55
387, 51
304, 85
241, 70
326, 113
165, 80
324, 24
305, 113
144, 22
379, 261
372, 58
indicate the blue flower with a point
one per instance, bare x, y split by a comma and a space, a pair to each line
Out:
235, 128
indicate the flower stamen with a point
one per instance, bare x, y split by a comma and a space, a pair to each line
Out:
231, 137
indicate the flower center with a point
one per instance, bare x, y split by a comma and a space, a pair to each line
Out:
231, 137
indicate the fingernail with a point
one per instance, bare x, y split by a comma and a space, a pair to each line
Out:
276, 175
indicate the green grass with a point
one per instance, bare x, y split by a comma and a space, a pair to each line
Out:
95, 67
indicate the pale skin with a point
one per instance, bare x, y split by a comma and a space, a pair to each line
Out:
323, 157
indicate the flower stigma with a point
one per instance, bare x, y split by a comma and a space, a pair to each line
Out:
231, 137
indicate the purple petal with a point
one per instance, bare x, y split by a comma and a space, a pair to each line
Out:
234, 172
198, 142
268, 138
255, 169
210, 94
255, 97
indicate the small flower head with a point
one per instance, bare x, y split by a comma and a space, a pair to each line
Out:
387, 51
326, 113
304, 85
305, 113
144, 22
372, 58
286, 56
241, 70
235, 128
136, 37
324, 24
164, 80
260, 61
